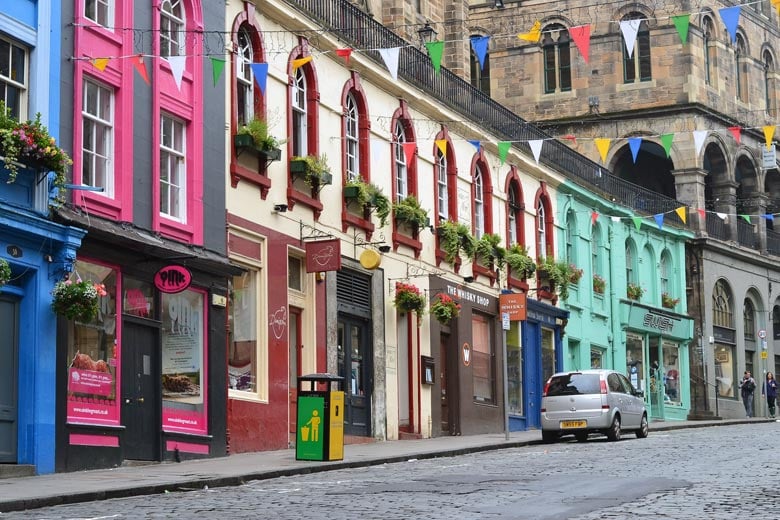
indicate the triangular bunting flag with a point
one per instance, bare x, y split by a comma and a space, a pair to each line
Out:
637, 222
730, 17
722, 216
702, 213
435, 50
390, 57
581, 37
698, 138
593, 217
614, 219
769, 133
536, 148
570, 137
629, 28
746, 217
602, 145
503, 148
681, 213
666, 142
776, 5
681, 22
138, 63
300, 62
659, 219
177, 64
736, 131
377, 150
480, 44
534, 34
100, 63
598, 173
217, 66
260, 72
344, 53
770, 217
476, 143
634, 143
409, 149
441, 144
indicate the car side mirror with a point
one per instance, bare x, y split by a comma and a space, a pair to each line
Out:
639, 393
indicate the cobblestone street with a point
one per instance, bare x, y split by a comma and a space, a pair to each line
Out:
718, 472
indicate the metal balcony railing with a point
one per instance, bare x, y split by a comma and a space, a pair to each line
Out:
772, 242
716, 227
746, 235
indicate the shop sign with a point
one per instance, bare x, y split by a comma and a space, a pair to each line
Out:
466, 354
90, 382
323, 255
657, 322
173, 279
513, 304
468, 296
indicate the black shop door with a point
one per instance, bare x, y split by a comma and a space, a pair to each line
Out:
140, 391
355, 353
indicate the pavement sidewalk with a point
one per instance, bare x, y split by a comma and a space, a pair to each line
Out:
63, 488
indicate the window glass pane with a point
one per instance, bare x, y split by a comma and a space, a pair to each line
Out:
548, 353
294, 273
725, 370
482, 363
635, 361
242, 343
671, 372
138, 298
514, 353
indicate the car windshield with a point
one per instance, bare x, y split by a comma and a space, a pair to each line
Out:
574, 384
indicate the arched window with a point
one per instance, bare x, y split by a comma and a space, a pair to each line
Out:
299, 115
479, 204
556, 50
741, 67
595, 245
630, 262
172, 24
513, 212
245, 99
776, 322
571, 232
401, 171
352, 138
709, 43
749, 319
442, 189
665, 273
636, 67
769, 86
722, 312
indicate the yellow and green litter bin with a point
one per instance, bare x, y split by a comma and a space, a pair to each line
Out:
320, 421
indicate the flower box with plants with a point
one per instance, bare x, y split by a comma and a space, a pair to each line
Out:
455, 238
558, 275
574, 274
634, 291
668, 302
254, 135
77, 300
408, 211
599, 284
444, 308
313, 169
518, 260
367, 195
409, 298
489, 253
5, 272
29, 144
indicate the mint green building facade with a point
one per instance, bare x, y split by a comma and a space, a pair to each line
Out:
646, 334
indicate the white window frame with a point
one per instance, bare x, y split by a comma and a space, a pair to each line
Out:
401, 170
442, 195
300, 140
98, 151
9, 82
352, 137
479, 204
244, 80
103, 12
172, 26
541, 230
173, 186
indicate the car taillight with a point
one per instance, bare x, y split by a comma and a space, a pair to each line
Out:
603, 387
546, 387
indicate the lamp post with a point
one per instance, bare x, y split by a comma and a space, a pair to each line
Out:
426, 33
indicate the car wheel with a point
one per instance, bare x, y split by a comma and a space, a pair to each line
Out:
644, 428
581, 436
613, 433
549, 437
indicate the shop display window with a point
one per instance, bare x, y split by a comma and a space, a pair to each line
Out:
548, 353
671, 373
483, 369
635, 359
242, 344
725, 370
514, 366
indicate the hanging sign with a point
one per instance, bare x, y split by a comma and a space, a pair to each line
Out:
513, 304
172, 279
769, 157
323, 255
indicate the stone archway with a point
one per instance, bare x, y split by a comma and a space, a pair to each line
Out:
652, 168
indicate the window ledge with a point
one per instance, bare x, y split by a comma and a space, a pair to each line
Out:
294, 196
239, 173
637, 85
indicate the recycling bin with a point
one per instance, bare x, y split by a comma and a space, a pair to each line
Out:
320, 418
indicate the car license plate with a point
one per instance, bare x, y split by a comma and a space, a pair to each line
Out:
573, 424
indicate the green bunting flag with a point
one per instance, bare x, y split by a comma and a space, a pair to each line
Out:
666, 142
435, 51
637, 222
503, 148
217, 65
681, 21
746, 217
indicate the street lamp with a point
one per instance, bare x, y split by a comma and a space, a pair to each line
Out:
426, 33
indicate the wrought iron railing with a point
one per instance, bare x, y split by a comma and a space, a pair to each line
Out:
716, 227
772, 242
746, 235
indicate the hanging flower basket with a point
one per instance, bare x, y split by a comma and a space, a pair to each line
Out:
77, 300
5, 272
444, 309
668, 301
408, 298
599, 284
634, 291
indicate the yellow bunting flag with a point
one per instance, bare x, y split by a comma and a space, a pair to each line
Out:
100, 63
769, 133
300, 62
776, 5
602, 144
534, 34
681, 213
442, 145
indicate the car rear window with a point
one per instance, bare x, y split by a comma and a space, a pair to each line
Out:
574, 384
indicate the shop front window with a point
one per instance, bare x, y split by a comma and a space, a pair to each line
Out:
514, 367
92, 354
548, 353
725, 370
183, 362
483, 370
242, 346
635, 360
596, 358
671, 366
138, 298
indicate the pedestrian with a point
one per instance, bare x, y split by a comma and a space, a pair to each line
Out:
770, 389
747, 386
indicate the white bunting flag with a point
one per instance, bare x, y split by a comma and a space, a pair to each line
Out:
177, 68
698, 138
629, 28
536, 148
391, 60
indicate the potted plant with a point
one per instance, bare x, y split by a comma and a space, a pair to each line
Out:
634, 291
368, 195
5, 272
599, 284
520, 262
669, 302
489, 252
574, 274
557, 273
444, 308
255, 135
408, 298
29, 143
313, 168
408, 210
77, 300
455, 238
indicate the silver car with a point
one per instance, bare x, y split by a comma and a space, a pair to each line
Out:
592, 401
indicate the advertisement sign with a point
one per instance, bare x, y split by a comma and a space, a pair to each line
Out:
514, 304
323, 255
173, 279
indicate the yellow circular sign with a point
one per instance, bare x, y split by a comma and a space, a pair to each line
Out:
370, 259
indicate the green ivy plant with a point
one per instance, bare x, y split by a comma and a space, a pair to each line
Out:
520, 262
370, 195
455, 238
408, 210
489, 252
559, 274
316, 168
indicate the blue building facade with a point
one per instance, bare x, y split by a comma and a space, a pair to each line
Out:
38, 250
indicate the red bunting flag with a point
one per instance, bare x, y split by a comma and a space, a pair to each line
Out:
581, 37
736, 131
344, 53
138, 63
409, 149
593, 217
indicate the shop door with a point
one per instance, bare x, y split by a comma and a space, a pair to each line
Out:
295, 368
140, 391
445, 407
9, 349
532, 373
354, 364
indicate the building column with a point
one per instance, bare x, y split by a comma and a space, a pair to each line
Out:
689, 186
757, 206
725, 195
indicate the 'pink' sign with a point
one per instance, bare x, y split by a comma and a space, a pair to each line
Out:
173, 279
